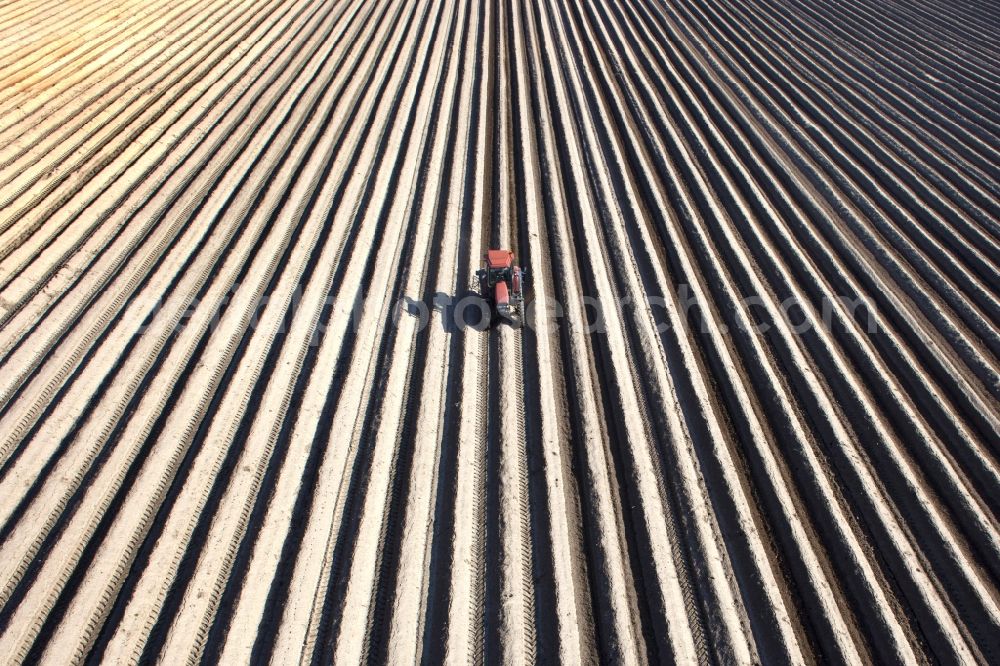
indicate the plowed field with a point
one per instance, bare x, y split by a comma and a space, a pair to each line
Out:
251, 408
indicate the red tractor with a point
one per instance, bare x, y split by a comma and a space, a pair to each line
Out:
502, 284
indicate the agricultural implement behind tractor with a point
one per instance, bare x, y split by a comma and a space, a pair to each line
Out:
502, 285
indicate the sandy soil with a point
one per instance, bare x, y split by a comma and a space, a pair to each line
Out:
248, 412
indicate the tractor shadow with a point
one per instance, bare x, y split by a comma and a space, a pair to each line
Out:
468, 310
463, 311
